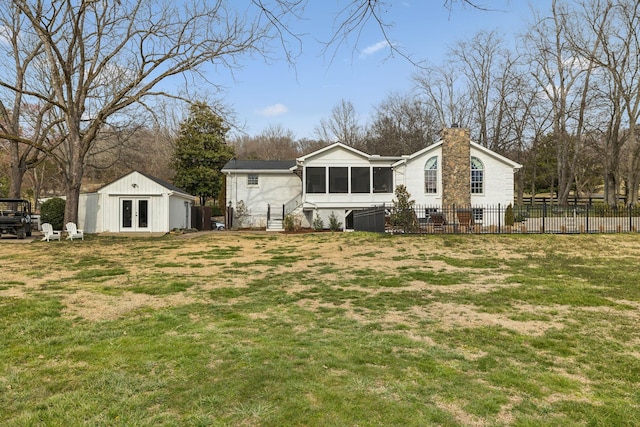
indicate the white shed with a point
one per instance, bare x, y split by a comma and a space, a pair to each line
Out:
136, 202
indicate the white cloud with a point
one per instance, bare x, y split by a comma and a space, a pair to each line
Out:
370, 50
274, 110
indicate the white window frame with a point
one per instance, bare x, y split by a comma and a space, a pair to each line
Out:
253, 179
431, 175
477, 176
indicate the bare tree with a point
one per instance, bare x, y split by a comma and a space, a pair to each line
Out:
273, 143
308, 145
527, 121
23, 121
612, 27
489, 68
564, 79
356, 15
402, 124
102, 58
342, 125
441, 91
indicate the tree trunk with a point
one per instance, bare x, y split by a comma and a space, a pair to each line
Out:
611, 188
17, 171
73, 184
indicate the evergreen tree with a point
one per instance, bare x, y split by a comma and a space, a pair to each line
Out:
201, 152
403, 214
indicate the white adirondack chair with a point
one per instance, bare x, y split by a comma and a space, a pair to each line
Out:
49, 233
73, 232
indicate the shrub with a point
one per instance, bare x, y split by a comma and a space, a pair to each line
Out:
318, 223
52, 211
217, 211
4, 186
509, 218
241, 213
334, 224
289, 223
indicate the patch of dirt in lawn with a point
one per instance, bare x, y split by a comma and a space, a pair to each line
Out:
461, 416
13, 292
464, 316
98, 307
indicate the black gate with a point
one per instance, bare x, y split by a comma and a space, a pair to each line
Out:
201, 217
371, 219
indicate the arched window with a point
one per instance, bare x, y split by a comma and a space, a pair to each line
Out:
431, 175
477, 176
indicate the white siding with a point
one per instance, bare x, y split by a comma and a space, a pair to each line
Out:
179, 212
411, 175
134, 184
341, 157
275, 189
89, 218
498, 179
498, 182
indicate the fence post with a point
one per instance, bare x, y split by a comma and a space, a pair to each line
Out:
268, 213
587, 213
453, 218
229, 217
630, 217
283, 212
499, 220
544, 214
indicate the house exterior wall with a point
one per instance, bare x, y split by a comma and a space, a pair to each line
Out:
411, 175
341, 157
179, 212
498, 180
274, 188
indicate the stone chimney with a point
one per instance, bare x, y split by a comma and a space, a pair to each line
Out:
456, 167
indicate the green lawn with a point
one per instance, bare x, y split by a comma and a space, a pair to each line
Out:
327, 329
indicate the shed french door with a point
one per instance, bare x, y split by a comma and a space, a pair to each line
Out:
134, 214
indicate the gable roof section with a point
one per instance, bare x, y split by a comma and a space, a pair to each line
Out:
474, 145
331, 148
158, 181
265, 166
419, 153
503, 159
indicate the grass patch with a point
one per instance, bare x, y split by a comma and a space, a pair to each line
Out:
254, 329
162, 288
94, 273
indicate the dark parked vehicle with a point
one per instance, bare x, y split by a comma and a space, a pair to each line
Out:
15, 217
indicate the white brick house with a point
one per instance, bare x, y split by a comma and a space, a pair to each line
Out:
339, 180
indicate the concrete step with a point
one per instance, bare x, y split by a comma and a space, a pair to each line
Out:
275, 225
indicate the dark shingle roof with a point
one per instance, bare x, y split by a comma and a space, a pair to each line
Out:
283, 165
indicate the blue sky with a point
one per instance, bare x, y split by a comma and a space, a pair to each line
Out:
360, 71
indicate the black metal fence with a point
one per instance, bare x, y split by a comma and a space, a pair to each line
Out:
530, 218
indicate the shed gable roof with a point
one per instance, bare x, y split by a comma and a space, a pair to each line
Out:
158, 181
